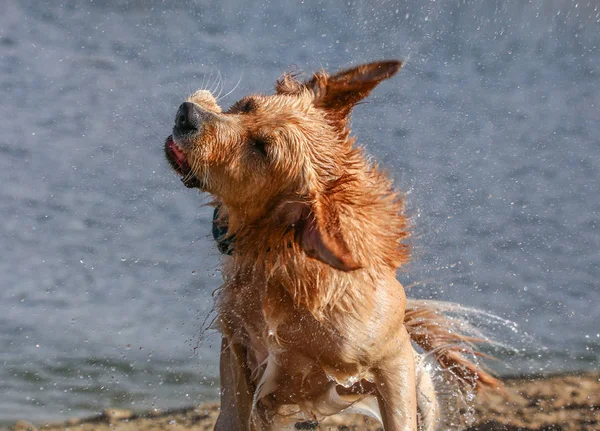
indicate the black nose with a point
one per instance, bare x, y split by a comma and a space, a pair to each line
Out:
189, 118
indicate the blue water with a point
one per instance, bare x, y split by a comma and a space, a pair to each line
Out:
107, 265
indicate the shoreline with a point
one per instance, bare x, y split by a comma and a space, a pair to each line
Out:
554, 402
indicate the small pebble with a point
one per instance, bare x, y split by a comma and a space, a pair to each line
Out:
72, 421
23, 426
114, 415
155, 413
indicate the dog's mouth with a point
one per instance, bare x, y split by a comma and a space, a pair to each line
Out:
178, 161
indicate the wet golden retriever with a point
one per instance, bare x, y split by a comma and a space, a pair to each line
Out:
313, 320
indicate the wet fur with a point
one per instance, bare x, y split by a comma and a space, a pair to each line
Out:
313, 319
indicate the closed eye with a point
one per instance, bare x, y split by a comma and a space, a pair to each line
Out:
260, 145
244, 106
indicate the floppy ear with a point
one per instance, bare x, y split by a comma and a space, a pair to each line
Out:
340, 92
317, 230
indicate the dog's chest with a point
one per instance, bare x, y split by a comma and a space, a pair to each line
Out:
267, 323
290, 353
255, 316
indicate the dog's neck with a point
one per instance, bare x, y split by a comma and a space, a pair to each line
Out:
268, 251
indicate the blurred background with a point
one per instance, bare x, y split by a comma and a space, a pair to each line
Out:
107, 267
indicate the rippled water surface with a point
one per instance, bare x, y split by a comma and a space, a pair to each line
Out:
107, 267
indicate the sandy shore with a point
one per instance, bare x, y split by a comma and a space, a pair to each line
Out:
553, 403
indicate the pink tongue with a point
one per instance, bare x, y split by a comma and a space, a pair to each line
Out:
179, 156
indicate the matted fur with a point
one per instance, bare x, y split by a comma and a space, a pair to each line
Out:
444, 337
367, 208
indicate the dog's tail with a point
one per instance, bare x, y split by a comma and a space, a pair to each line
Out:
450, 340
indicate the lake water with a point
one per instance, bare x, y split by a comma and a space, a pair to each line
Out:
107, 266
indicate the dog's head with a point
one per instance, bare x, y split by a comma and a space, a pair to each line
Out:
282, 154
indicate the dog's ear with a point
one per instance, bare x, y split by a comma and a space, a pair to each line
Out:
341, 91
318, 231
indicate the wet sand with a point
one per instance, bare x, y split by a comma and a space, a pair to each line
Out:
567, 402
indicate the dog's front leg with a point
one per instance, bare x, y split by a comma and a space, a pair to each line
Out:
236, 389
396, 387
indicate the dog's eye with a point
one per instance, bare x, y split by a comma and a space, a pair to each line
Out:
244, 106
260, 146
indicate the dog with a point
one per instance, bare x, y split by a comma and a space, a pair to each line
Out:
313, 319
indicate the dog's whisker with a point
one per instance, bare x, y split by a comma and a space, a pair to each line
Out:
215, 84
221, 84
233, 89
203, 82
208, 81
